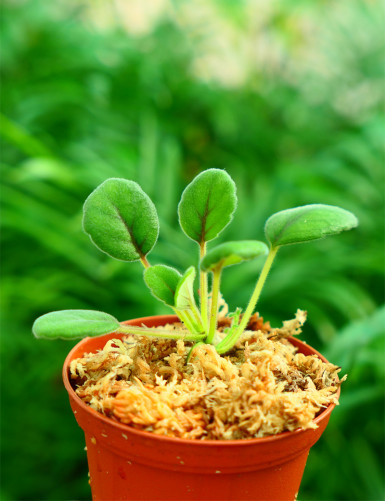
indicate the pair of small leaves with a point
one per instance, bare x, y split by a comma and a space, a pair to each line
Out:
168, 285
177, 290
122, 221
309, 222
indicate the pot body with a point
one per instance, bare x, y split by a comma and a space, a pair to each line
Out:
129, 465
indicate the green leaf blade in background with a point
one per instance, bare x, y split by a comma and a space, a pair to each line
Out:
207, 205
162, 281
74, 324
121, 220
309, 222
230, 253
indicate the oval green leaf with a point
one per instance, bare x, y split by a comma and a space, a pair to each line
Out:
121, 220
309, 222
230, 253
162, 281
207, 205
184, 294
74, 324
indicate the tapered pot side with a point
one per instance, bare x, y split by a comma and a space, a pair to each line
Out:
128, 464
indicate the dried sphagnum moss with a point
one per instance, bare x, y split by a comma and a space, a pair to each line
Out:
262, 387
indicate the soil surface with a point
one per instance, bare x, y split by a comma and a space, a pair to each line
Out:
262, 387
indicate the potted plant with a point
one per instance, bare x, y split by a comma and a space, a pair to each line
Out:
202, 404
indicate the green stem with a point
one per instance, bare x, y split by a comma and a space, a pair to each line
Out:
159, 333
214, 304
185, 316
203, 289
144, 262
196, 314
229, 341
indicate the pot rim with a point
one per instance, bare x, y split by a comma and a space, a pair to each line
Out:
124, 428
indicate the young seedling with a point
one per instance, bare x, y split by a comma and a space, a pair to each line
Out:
122, 221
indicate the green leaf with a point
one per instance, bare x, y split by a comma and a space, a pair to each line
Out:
121, 220
73, 324
356, 338
162, 281
309, 222
207, 205
184, 294
230, 253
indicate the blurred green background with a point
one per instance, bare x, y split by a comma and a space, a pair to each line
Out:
288, 98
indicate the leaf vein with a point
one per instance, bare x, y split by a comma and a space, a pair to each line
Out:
130, 232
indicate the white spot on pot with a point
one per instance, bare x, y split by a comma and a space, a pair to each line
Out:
93, 440
104, 435
129, 462
181, 462
85, 448
218, 471
124, 436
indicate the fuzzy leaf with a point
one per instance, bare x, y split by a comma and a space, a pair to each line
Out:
121, 220
309, 222
184, 294
230, 253
162, 281
73, 324
207, 205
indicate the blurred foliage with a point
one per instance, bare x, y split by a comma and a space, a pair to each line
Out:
287, 99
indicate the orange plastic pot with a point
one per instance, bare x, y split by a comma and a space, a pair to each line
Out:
127, 464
